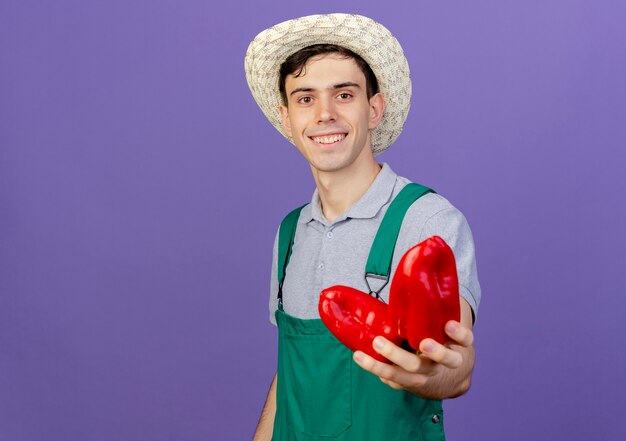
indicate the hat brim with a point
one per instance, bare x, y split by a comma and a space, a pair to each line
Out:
362, 35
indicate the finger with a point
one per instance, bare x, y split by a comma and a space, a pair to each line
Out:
405, 359
374, 366
394, 376
391, 384
440, 354
459, 333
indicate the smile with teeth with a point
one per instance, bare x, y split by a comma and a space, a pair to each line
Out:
329, 139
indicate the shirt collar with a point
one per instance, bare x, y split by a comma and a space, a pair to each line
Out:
367, 207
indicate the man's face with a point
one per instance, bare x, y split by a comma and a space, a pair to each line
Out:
329, 116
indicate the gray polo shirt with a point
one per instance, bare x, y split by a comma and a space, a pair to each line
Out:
335, 253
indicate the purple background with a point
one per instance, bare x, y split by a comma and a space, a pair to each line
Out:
141, 188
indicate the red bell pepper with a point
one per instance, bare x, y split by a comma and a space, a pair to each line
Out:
356, 318
424, 292
424, 295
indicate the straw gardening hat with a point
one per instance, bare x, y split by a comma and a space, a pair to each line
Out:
361, 35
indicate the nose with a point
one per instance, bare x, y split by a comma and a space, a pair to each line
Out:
325, 110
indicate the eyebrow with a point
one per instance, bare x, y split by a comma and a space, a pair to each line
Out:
335, 87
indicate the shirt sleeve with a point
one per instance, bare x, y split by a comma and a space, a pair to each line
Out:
273, 304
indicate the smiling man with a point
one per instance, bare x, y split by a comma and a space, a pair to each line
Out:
328, 113
338, 87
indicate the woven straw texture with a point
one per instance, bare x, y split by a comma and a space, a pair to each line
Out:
371, 40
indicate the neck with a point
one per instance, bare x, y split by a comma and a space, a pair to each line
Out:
339, 190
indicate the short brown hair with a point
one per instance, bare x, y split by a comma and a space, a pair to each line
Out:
295, 65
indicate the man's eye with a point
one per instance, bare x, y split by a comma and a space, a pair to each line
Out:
345, 95
304, 100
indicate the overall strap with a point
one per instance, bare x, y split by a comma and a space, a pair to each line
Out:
286, 234
378, 264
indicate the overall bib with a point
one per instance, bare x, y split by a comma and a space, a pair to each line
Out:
322, 394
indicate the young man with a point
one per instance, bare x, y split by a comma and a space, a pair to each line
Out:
338, 87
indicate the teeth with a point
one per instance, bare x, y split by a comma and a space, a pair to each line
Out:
328, 139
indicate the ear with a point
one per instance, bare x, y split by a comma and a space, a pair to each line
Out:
377, 108
284, 117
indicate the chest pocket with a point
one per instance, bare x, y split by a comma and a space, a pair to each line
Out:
315, 378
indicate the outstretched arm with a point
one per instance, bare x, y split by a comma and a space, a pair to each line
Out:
436, 371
